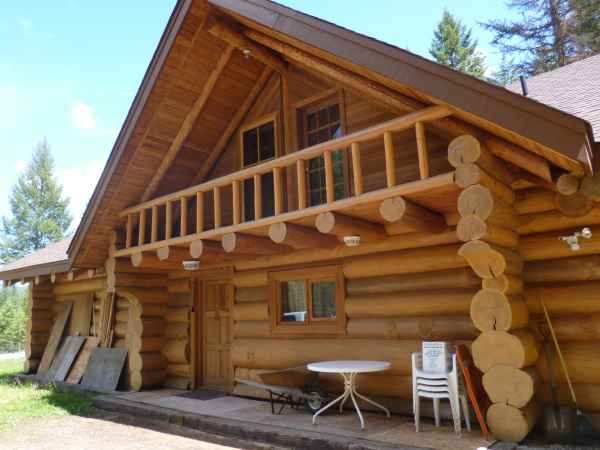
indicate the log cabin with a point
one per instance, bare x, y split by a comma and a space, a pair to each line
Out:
284, 191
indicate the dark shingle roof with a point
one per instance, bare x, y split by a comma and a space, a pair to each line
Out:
54, 255
574, 89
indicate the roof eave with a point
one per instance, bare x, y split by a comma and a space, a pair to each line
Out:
35, 270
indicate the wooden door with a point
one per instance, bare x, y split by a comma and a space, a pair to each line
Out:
217, 367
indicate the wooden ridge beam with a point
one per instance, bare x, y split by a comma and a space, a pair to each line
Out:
188, 123
250, 245
417, 218
299, 237
234, 123
341, 225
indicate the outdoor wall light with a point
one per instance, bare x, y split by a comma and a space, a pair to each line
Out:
352, 241
191, 265
573, 239
247, 52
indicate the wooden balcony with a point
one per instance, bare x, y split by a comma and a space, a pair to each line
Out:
165, 223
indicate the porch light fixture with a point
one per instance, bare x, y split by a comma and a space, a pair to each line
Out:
247, 52
352, 241
573, 239
191, 265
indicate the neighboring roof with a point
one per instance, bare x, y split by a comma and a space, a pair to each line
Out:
52, 258
574, 89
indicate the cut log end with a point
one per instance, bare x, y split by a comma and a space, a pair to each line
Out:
506, 384
567, 184
516, 349
464, 149
492, 310
512, 424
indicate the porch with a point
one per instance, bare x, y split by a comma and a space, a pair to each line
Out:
252, 419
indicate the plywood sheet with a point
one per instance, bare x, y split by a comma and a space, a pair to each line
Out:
54, 340
82, 360
104, 368
81, 316
64, 358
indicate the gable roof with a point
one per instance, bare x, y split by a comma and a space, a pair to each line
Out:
574, 88
52, 258
501, 111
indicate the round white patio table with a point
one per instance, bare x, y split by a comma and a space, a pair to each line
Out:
349, 370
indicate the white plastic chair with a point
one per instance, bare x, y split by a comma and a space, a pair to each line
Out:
438, 386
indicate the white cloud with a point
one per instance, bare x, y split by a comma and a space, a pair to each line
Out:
78, 184
20, 165
82, 116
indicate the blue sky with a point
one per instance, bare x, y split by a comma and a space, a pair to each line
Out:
69, 70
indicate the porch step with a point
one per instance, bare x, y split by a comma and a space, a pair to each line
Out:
247, 431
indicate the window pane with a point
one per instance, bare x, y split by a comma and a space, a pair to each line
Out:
336, 132
316, 163
311, 122
323, 119
334, 113
268, 196
323, 135
317, 197
248, 199
250, 139
323, 299
313, 138
267, 141
293, 301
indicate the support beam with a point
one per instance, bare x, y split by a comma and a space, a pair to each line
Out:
416, 217
422, 149
150, 261
341, 226
203, 248
235, 38
171, 253
234, 123
250, 244
188, 124
299, 237
534, 164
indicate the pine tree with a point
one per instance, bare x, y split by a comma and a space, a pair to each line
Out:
506, 73
39, 211
13, 318
586, 26
454, 47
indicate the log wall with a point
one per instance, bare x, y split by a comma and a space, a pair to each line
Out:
40, 317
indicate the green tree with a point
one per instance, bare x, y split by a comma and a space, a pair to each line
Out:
586, 25
13, 317
506, 73
454, 46
39, 211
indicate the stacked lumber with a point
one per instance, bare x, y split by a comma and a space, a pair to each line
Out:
176, 348
40, 314
505, 349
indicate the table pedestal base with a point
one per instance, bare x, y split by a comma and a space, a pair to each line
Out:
350, 391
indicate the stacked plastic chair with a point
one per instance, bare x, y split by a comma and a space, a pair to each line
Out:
436, 386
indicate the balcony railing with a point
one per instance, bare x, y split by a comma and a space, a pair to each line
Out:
277, 166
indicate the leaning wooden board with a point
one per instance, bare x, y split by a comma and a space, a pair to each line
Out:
54, 340
82, 360
104, 368
63, 360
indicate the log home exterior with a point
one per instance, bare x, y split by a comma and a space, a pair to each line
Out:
343, 199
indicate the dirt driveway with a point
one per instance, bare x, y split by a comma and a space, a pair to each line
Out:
101, 430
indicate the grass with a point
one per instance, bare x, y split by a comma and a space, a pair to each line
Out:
22, 400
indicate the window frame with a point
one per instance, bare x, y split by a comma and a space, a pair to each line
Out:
313, 325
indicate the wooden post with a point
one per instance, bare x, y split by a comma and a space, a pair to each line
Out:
184, 217
422, 150
390, 161
329, 189
257, 197
128, 231
235, 192
277, 191
142, 227
217, 205
168, 220
357, 169
301, 176
154, 224
199, 212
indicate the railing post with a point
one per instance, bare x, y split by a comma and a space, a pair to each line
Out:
328, 176
277, 194
301, 176
217, 205
128, 231
390, 161
357, 168
257, 196
154, 224
235, 192
183, 217
199, 212
168, 220
142, 228
422, 150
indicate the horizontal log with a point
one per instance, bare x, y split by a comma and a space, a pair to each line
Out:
122, 316
298, 237
472, 227
507, 284
146, 361
147, 326
179, 286
145, 296
120, 304
37, 338
33, 351
512, 424
445, 279
285, 353
431, 328
180, 314
126, 279
409, 303
555, 220
251, 245
147, 379
493, 310
516, 349
548, 246
571, 328
120, 329
588, 396
79, 286
414, 217
182, 383
340, 225
251, 311
252, 294
252, 329
179, 370
531, 201
250, 278
137, 343
575, 205
155, 310
524, 159
176, 351
507, 384
427, 259
177, 330
581, 358
575, 298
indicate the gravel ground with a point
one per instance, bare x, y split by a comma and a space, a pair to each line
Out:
101, 430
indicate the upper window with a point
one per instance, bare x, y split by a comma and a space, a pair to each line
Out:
322, 122
308, 300
259, 144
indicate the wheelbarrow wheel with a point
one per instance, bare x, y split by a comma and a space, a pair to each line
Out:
318, 399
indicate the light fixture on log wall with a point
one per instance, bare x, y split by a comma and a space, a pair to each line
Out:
573, 239
352, 241
191, 265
